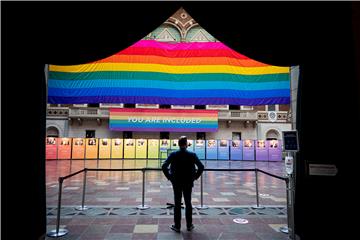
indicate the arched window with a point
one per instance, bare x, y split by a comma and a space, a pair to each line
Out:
272, 135
52, 132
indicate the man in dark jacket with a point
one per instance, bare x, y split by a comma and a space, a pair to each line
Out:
182, 173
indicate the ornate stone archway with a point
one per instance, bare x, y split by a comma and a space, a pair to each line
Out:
273, 134
52, 131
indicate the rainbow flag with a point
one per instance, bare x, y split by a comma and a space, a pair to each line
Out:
163, 120
152, 72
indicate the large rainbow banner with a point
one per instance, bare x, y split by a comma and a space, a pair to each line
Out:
152, 72
166, 120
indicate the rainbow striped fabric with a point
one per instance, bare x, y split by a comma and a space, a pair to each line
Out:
167, 120
152, 72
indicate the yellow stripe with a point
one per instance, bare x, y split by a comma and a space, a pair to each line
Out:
161, 117
140, 67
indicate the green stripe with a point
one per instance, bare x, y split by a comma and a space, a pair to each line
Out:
195, 77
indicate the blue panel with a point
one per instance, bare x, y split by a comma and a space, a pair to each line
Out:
174, 144
164, 146
223, 149
200, 148
211, 149
191, 147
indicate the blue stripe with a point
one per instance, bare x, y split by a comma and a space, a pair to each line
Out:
168, 100
137, 83
140, 92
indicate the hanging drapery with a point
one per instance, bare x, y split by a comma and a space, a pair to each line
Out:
152, 72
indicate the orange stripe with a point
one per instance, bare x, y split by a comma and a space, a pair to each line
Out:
163, 114
182, 61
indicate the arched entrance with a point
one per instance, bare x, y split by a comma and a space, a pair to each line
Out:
52, 132
272, 135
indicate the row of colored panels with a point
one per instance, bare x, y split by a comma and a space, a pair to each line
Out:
104, 148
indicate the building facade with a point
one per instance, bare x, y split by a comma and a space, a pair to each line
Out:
234, 121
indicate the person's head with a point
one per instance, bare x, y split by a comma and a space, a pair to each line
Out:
183, 142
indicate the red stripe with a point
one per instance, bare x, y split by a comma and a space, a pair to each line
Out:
120, 110
188, 61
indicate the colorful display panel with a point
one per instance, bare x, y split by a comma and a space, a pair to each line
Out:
92, 147
78, 148
105, 148
141, 148
174, 144
163, 120
200, 148
153, 148
177, 73
117, 148
262, 152
129, 148
236, 150
64, 148
164, 146
51, 148
249, 150
275, 150
211, 149
190, 147
223, 149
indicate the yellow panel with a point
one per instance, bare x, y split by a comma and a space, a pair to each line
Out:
91, 148
117, 148
153, 148
129, 148
141, 148
104, 148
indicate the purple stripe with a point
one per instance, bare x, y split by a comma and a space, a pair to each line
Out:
165, 129
169, 100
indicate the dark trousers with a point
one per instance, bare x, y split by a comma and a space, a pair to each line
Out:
179, 190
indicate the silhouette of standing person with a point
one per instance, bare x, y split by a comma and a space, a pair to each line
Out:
182, 173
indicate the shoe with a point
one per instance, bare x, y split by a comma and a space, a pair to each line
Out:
191, 227
172, 227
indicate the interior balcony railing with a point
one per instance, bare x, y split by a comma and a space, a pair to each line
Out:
88, 112
237, 115
276, 116
57, 112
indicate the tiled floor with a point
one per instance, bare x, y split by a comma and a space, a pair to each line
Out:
112, 197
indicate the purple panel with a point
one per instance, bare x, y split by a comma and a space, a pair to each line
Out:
262, 153
275, 150
248, 150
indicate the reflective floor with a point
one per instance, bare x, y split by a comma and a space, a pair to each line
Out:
113, 197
